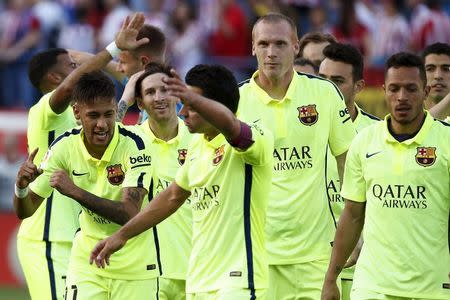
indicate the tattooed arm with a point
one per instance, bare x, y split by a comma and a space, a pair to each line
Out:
128, 96
347, 235
116, 211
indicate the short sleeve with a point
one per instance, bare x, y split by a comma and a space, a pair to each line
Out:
261, 151
354, 187
342, 130
182, 178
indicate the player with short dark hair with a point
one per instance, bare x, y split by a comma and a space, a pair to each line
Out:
397, 185
312, 44
304, 65
227, 175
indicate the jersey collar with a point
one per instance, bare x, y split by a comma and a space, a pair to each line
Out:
418, 138
216, 142
265, 98
154, 139
109, 150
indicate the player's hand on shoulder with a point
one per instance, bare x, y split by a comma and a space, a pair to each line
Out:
330, 290
105, 248
62, 182
126, 37
28, 171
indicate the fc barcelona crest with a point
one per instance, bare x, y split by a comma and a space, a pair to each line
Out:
426, 156
182, 156
219, 155
115, 174
308, 114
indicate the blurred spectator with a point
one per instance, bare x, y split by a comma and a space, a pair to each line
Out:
10, 162
429, 24
117, 11
349, 30
19, 35
318, 20
185, 46
392, 34
52, 17
231, 38
158, 15
263, 7
79, 34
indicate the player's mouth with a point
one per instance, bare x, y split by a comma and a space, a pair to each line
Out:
101, 136
438, 86
402, 110
271, 64
161, 107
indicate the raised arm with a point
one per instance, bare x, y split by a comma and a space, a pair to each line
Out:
165, 204
25, 201
442, 109
212, 111
125, 40
347, 234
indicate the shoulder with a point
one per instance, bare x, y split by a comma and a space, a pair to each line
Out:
319, 85
66, 138
133, 135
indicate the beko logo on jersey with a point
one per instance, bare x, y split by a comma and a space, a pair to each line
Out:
204, 198
291, 158
401, 196
143, 158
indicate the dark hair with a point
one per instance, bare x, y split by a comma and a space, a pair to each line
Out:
436, 48
347, 54
300, 61
217, 83
93, 86
316, 38
41, 63
150, 69
157, 45
275, 18
405, 59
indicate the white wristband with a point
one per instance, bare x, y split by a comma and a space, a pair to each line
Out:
20, 193
113, 49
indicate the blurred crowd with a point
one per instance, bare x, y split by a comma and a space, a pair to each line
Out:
207, 30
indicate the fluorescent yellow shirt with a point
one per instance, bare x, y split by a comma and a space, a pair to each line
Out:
406, 187
362, 121
125, 163
229, 190
57, 218
174, 233
299, 224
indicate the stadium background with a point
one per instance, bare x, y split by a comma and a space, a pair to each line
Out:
198, 31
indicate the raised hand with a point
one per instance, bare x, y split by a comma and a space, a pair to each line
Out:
28, 171
62, 182
105, 248
177, 88
126, 37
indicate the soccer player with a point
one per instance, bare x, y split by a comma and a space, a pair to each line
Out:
49, 230
344, 65
397, 184
304, 65
305, 114
437, 67
227, 174
312, 44
107, 169
169, 139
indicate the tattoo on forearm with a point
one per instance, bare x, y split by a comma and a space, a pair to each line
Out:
122, 108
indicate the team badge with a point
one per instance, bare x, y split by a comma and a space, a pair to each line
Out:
219, 155
308, 114
426, 156
182, 156
115, 174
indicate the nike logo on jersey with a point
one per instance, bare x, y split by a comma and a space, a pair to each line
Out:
78, 174
368, 155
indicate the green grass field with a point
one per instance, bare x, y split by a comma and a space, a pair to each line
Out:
13, 293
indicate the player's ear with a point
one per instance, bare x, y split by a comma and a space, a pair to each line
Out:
359, 86
144, 60
139, 103
54, 78
76, 111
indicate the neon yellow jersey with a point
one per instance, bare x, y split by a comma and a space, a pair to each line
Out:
299, 224
175, 233
229, 190
406, 187
125, 163
57, 218
362, 121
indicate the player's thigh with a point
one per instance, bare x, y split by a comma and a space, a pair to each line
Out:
230, 294
134, 289
86, 286
297, 281
172, 289
44, 265
363, 294
346, 288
